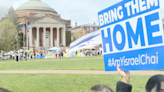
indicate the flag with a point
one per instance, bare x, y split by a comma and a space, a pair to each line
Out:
27, 28
89, 40
90, 28
16, 37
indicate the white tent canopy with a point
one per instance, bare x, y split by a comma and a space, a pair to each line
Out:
55, 48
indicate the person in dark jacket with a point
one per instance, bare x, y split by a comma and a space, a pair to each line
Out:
154, 84
16, 56
122, 86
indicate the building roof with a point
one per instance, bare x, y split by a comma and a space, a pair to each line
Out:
86, 25
35, 5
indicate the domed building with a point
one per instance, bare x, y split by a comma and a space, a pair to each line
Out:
46, 28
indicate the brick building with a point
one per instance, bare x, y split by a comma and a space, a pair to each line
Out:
46, 28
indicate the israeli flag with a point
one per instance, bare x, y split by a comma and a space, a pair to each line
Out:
89, 40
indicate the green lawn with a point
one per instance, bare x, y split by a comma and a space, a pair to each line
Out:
89, 63
64, 82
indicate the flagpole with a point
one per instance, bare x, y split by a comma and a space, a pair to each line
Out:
27, 35
17, 44
23, 37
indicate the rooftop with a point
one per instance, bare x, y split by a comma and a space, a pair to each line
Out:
86, 25
35, 5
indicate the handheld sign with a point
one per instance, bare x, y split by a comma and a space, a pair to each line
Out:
132, 34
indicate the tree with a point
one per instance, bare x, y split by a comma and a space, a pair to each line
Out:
78, 34
7, 33
68, 38
13, 17
3, 12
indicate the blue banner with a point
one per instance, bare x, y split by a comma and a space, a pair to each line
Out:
132, 35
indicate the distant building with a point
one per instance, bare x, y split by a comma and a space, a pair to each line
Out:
79, 31
46, 27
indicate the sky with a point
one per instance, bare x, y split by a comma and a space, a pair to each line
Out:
80, 11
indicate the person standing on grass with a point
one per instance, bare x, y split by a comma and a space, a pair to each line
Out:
61, 55
0, 56
41, 54
16, 54
21, 56
13, 55
25, 56
31, 55
34, 54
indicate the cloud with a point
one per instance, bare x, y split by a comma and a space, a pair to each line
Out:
80, 11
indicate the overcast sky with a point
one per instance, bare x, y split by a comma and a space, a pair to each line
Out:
82, 11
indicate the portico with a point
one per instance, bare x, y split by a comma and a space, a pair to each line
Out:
50, 34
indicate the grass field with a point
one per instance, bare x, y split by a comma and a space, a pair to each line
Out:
96, 63
64, 82
61, 82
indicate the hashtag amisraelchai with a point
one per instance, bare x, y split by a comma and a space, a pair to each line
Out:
143, 59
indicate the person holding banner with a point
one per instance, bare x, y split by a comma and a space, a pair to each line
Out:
154, 84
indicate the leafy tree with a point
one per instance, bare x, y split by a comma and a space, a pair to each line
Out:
78, 34
7, 33
12, 16
3, 12
74, 39
68, 38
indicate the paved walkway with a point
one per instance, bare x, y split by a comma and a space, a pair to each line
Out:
46, 60
77, 72
73, 71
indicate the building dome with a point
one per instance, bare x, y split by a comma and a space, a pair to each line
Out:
35, 5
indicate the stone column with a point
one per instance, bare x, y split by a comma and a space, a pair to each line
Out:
30, 37
51, 37
44, 36
64, 36
58, 41
38, 41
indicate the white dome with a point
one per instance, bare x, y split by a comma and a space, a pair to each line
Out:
35, 5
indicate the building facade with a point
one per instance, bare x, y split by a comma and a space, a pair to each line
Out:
46, 28
81, 30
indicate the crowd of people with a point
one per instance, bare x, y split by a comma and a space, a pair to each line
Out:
93, 52
17, 56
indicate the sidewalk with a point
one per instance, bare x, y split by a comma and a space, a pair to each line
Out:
77, 72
